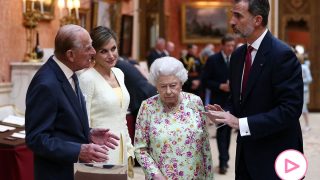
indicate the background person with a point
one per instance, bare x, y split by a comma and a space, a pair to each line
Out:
170, 48
307, 79
193, 65
138, 87
266, 94
171, 137
57, 128
215, 77
158, 51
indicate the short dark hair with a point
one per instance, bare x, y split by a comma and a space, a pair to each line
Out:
227, 38
190, 46
100, 35
258, 7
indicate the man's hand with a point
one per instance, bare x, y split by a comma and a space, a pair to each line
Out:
195, 84
216, 114
225, 87
93, 153
103, 136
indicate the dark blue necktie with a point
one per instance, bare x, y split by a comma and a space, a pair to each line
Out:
77, 88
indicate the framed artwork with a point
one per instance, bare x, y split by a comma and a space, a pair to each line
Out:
205, 22
126, 35
84, 18
106, 13
48, 8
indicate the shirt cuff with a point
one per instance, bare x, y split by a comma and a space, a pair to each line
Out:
244, 127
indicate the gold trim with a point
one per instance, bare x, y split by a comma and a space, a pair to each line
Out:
121, 151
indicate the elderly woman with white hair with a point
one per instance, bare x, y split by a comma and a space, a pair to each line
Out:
171, 139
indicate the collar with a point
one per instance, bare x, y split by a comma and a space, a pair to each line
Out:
67, 71
256, 44
225, 56
159, 52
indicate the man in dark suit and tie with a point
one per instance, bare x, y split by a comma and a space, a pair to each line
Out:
266, 90
158, 51
215, 77
57, 129
138, 87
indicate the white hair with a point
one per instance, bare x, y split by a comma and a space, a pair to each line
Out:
167, 66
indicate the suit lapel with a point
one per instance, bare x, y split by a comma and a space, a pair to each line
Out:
71, 95
238, 61
258, 63
222, 63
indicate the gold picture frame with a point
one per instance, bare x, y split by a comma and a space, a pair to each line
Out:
107, 13
205, 22
84, 18
48, 8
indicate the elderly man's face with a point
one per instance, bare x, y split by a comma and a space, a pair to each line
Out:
83, 55
169, 88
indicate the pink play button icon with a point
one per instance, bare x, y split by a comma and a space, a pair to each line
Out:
291, 164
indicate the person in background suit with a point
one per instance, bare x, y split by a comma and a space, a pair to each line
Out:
205, 53
138, 86
158, 51
139, 89
57, 129
215, 77
169, 48
266, 90
193, 65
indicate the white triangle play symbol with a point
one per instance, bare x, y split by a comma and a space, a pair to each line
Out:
290, 166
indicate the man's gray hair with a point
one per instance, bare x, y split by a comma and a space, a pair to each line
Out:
167, 66
67, 38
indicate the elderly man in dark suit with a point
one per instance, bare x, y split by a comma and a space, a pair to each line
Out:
158, 51
57, 129
266, 94
215, 77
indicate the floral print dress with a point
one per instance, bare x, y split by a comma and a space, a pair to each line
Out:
173, 143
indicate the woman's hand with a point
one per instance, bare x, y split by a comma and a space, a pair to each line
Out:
103, 136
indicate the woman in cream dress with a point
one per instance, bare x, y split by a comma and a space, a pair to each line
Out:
107, 98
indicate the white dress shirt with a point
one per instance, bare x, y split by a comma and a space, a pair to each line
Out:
243, 122
66, 70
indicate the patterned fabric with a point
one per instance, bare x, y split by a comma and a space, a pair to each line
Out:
175, 143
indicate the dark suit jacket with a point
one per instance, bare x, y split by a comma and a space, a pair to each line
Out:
138, 86
153, 55
216, 72
55, 125
194, 72
272, 103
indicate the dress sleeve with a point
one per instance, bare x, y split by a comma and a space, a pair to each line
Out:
87, 88
206, 150
142, 143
